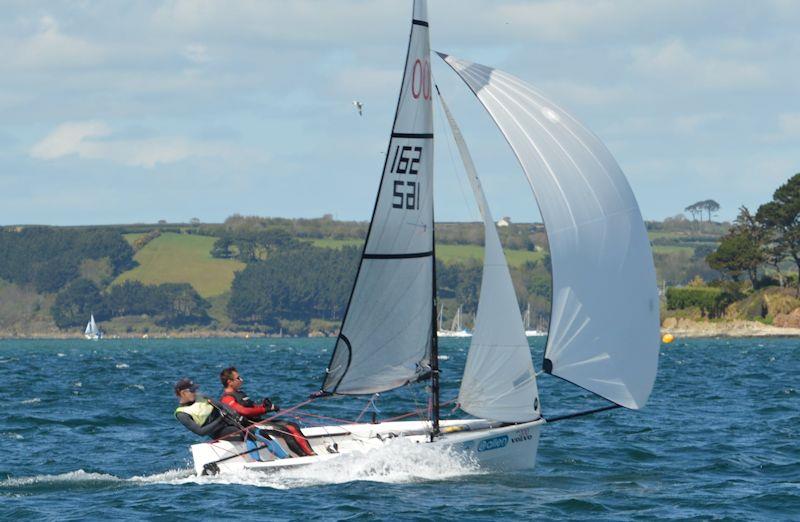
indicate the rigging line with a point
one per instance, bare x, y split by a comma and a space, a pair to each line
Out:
580, 413
247, 429
454, 169
370, 402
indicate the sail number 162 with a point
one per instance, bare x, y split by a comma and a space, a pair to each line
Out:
405, 161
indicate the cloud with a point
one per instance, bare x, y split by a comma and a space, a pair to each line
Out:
68, 138
94, 140
789, 124
196, 53
48, 47
788, 128
678, 64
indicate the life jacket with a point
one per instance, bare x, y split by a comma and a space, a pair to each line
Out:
240, 398
199, 411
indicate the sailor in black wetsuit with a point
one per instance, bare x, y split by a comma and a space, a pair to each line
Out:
204, 416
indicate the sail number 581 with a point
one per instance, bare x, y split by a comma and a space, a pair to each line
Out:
405, 192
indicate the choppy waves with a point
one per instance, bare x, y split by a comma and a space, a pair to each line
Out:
397, 462
85, 439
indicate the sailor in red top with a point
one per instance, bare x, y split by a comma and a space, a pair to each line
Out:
238, 400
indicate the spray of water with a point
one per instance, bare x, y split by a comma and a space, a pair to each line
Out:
400, 461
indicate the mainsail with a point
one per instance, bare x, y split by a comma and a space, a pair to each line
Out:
91, 327
604, 325
499, 382
387, 331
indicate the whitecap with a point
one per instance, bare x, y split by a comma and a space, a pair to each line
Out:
443, 357
72, 476
12, 435
32, 401
61, 354
137, 386
399, 461
122, 366
77, 384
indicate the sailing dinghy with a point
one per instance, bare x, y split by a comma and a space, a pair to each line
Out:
603, 333
456, 328
92, 332
526, 320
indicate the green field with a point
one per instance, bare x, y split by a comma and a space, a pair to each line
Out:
460, 253
336, 243
446, 253
670, 249
183, 258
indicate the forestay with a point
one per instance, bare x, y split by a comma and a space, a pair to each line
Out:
604, 325
499, 382
386, 333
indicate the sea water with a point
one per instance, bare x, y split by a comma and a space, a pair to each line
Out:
87, 432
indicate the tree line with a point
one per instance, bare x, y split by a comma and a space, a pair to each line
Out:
766, 239
304, 282
170, 304
49, 258
709, 206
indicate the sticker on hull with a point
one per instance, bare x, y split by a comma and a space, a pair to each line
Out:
521, 436
493, 443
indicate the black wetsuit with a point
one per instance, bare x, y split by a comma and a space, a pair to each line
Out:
217, 425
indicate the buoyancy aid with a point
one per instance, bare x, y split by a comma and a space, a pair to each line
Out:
240, 397
199, 411
243, 405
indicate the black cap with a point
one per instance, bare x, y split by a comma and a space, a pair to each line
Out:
185, 384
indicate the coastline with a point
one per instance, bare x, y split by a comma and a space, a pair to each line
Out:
679, 328
197, 334
688, 328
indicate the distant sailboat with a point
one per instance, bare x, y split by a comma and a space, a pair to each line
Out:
92, 332
535, 332
456, 328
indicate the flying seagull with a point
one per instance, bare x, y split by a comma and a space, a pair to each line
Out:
359, 107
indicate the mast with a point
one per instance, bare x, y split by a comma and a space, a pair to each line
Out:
434, 362
499, 382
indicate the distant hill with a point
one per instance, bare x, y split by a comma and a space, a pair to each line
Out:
205, 258
182, 258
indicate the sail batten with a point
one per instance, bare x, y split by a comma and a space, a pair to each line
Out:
604, 290
499, 381
387, 331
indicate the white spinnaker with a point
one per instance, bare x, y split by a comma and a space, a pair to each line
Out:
604, 333
499, 382
386, 334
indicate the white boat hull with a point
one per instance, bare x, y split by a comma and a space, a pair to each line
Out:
453, 333
490, 445
535, 333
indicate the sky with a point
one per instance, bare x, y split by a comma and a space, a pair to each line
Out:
125, 111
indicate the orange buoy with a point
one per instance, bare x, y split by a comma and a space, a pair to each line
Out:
667, 338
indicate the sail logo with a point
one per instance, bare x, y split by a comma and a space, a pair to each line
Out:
493, 443
522, 436
421, 80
